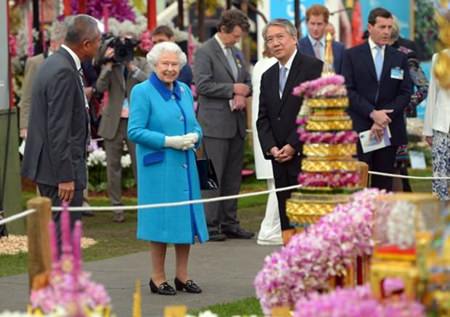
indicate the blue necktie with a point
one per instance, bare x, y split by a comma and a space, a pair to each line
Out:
378, 61
282, 79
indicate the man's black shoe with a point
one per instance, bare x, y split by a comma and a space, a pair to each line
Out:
238, 233
216, 236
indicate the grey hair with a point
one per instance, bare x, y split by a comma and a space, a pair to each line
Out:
290, 28
165, 47
80, 28
395, 33
58, 31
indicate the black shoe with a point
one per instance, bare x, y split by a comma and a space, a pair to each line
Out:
162, 289
189, 286
215, 236
238, 233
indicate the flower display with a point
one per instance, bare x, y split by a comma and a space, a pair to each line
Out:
322, 87
340, 137
335, 179
324, 250
355, 302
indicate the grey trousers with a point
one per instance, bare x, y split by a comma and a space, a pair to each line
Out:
227, 156
114, 151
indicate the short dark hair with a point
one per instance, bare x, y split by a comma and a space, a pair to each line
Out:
378, 12
163, 30
232, 18
318, 9
80, 28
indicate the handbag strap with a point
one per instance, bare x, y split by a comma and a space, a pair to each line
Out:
203, 151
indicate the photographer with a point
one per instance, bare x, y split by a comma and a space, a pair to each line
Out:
120, 71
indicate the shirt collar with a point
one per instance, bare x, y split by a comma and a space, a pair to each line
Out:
289, 62
222, 46
165, 92
75, 57
313, 40
373, 45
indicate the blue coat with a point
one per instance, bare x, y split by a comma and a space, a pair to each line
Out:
165, 174
305, 47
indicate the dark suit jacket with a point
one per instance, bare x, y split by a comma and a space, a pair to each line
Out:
55, 150
363, 89
276, 122
305, 47
214, 82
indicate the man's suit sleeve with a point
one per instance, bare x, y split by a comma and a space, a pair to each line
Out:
143, 70
104, 79
358, 104
263, 125
204, 78
31, 67
340, 61
403, 97
62, 95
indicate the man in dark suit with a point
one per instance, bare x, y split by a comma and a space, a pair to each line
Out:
379, 88
314, 43
223, 85
55, 152
278, 109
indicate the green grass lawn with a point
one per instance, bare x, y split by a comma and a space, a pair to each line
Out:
120, 239
246, 306
116, 239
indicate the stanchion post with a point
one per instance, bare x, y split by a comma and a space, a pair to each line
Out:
363, 174
39, 257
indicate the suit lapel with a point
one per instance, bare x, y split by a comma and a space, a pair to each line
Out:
386, 62
368, 60
294, 73
221, 56
309, 48
69, 58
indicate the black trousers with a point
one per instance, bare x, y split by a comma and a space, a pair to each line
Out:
381, 160
52, 193
285, 174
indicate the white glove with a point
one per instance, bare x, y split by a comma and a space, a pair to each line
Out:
179, 142
193, 136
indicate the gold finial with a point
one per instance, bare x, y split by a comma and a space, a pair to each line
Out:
328, 68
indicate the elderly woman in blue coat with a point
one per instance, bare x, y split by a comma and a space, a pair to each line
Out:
162, 123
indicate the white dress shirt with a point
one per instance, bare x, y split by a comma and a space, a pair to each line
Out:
437, 113
75, 57
321, 43
373, 49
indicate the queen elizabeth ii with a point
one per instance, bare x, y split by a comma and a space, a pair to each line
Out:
162, 123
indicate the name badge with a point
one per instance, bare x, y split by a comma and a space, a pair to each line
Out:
397, 73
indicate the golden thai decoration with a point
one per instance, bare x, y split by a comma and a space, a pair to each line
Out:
328, 68
329, 171
442, 64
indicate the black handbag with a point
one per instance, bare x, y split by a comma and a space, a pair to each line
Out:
206, 173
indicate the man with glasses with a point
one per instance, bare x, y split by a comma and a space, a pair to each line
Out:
278, 109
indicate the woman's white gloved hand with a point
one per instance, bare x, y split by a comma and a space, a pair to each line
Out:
179, 142
193, 136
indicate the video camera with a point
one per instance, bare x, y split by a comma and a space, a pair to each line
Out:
123, 48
